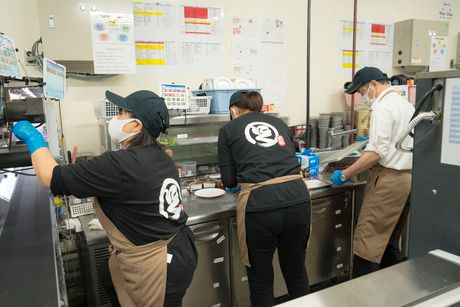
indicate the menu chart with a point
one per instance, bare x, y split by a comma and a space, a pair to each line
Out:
175, 95
451, 123
8, 61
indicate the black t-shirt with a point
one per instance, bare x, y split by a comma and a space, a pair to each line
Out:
257, 147
138, 189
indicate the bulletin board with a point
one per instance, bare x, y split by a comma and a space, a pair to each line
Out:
374, 46
175, 38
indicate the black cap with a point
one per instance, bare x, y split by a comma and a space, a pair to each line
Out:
235, 98
364, 76
146, 106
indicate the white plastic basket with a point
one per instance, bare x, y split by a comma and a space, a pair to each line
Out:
79, 207
199, 105
108, 110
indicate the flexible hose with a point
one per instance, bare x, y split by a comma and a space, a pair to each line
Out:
414, 122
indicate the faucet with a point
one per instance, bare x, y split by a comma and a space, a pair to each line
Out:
333, 134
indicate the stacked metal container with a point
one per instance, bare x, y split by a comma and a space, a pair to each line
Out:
323, 128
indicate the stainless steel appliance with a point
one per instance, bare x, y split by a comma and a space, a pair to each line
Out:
331, 218
94, 254
23, 100
211, 280
435, 200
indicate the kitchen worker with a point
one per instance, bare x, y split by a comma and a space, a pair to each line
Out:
389, 180
138, 201
273, 209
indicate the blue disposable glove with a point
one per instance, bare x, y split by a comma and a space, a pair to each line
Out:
28, 134
336, 177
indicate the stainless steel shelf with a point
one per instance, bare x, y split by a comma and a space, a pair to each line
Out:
199, 119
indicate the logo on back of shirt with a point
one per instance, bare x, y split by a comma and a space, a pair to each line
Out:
262, 134
170, 199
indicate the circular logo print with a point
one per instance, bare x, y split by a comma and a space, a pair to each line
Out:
261, 134
170, 199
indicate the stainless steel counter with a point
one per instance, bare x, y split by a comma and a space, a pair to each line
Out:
28, 259
407, 284
212, 222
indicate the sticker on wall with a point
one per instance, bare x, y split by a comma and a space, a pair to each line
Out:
447, 10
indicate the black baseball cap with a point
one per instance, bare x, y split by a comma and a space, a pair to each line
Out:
146, 106
364, 76
235, 98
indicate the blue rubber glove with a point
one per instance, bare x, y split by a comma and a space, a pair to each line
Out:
336, 177
28, 134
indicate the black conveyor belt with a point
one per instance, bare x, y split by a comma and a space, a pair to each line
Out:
27, 259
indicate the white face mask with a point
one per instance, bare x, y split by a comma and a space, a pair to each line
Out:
116, 129
369, 101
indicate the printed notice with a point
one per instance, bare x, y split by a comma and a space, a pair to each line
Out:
113, 43
438, 51
374, 45
451, 124
54, 77
256, 42
8, 60
177, 38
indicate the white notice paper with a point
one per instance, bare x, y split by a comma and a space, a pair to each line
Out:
438, 49
256, 42
113, 43
451, 123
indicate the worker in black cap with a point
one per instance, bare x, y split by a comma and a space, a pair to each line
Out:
376, 236
256, 151
138, 201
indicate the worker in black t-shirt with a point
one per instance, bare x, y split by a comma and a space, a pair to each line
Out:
256, 151
138, 201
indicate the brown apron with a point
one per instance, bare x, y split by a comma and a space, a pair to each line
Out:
385, 195
138, 272
246, 189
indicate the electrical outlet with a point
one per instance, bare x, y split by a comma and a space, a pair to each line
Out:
28, 56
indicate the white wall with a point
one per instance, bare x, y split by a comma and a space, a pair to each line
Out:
326, 80
20, 21
79, 119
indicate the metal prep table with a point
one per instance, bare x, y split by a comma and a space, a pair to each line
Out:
429, 280
220, 272
29, 274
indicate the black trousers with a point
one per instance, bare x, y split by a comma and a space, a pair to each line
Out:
284, 229
392, 254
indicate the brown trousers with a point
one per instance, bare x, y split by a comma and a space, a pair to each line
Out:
386, 193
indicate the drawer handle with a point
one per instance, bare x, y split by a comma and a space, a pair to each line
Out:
338, 226
205, 236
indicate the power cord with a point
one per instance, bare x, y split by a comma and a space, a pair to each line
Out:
435, 88
4, 171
